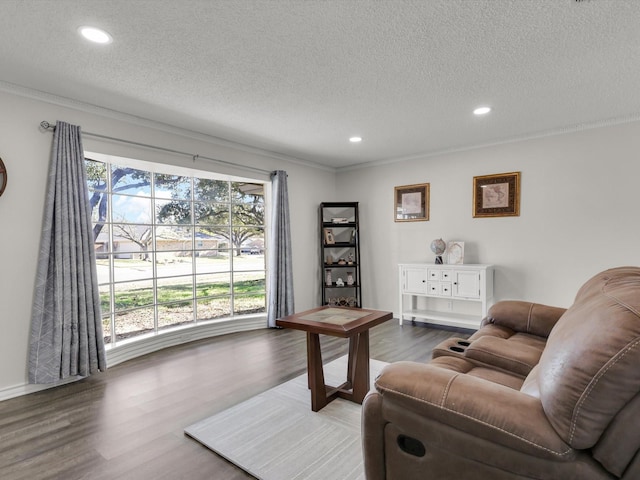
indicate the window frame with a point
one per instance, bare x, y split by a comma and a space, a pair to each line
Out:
114, 338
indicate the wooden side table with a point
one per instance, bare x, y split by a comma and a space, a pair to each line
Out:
344, 322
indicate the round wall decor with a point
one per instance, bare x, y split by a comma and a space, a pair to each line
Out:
3, 177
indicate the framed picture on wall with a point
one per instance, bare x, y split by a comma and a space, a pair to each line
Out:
496, 195
412, 203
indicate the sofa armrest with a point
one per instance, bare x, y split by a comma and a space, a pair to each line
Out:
484, 409
373, 436
526, 317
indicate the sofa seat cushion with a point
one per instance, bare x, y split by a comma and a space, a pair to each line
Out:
493, 330
496, 347
517, 354
460, 365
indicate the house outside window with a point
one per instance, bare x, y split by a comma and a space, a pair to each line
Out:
174, 248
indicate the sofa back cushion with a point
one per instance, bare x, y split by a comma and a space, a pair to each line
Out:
589, 368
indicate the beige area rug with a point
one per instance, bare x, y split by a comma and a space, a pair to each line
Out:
276, 436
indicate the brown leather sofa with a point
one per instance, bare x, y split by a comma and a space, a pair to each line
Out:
536, 393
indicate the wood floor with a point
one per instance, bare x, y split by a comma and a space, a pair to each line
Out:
128, 422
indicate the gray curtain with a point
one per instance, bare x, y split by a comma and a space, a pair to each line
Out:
66, 330
280, 271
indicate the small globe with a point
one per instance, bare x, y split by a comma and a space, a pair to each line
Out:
438, 246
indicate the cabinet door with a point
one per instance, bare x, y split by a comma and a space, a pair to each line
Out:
466, 284
415, 280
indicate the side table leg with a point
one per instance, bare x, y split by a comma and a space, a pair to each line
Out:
359, 369
352, 361
315, 373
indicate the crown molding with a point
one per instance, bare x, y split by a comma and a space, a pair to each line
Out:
166, 128
152, 124
515, 139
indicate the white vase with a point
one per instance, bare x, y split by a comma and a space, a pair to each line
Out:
349, 278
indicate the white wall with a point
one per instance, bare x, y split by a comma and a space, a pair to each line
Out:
579, 214
579, 211
25, 151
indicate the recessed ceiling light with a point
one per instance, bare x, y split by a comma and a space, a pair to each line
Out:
355, 139
95, 35
482, 110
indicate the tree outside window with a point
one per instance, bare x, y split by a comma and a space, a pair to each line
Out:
174, 249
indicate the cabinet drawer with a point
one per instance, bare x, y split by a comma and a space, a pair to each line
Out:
440, 275
433, 288
445, 289
433, 274
446, 275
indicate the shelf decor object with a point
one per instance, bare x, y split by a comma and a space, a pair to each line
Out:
3, 177
340, 254
328, 236
412, 203
496, 195
455, 253
438, 247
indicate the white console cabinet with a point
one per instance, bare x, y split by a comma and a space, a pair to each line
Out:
454, 295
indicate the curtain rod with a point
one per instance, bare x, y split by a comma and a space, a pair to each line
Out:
48, 126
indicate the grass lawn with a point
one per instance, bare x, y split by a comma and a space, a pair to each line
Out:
134, 296
140, 297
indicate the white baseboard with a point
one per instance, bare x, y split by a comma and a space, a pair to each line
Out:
133, 349
26, 389
127, 351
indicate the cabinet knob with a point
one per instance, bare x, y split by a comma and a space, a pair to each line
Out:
424, 281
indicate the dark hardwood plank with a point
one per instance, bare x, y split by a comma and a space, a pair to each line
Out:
128, 422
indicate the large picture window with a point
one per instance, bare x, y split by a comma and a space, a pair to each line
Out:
174, 249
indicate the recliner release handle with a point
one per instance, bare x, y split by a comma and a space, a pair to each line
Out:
411, 446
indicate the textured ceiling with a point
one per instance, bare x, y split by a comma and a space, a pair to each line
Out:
298, 77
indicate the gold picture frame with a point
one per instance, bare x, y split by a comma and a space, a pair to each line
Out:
412, 203
496, 195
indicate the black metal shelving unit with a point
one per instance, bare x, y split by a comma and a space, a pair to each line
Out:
340, 254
